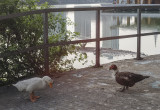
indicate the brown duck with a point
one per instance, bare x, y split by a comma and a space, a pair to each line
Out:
126, 79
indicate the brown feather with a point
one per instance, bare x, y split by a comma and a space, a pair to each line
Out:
128, 78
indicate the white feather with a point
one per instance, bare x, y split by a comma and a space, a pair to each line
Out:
113, 75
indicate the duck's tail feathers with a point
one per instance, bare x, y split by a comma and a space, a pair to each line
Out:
14, 85
19, 87
146, 77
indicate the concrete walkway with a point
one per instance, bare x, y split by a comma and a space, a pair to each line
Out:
93, 89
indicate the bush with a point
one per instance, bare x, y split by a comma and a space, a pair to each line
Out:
27, 31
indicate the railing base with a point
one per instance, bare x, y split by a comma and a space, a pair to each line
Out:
97, 66
138, 58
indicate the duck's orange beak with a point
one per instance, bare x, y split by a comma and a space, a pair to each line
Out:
50, 85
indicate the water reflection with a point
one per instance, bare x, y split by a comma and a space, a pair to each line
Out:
115, 24
85, 24
110, 27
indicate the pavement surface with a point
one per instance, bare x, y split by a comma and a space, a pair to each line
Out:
93, 89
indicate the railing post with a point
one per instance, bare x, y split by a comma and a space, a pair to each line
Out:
138, 34
45, 34
97, 38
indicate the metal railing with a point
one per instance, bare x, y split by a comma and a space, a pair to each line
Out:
46, 45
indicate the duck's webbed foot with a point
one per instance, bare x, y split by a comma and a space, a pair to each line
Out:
32, 97
127, 87
36, 97
123, 89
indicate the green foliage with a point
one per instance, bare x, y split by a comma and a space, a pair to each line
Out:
23, 32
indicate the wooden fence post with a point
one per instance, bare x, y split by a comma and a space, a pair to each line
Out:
97, 38
46, 51
138, 34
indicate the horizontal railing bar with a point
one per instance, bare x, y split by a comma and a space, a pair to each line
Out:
135, 6
128, 36
43, 46
73, 42
14, 15
152, 33
118, 37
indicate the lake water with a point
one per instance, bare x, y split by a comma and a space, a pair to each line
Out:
115, 24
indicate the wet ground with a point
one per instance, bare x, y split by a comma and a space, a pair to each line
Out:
93, 89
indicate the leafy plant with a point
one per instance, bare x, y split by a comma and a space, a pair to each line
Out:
27, 31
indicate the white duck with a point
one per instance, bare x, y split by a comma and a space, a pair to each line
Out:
30, 85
